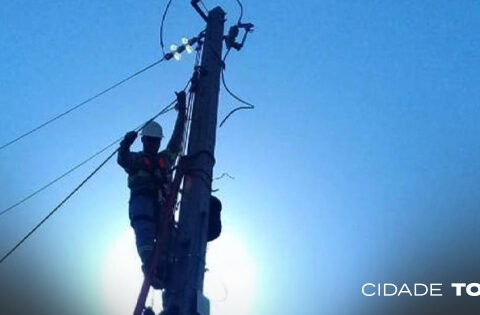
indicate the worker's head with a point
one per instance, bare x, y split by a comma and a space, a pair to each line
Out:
152, 135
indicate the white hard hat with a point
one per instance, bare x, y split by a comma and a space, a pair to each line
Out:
152, 129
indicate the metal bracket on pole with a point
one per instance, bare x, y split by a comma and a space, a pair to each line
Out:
230, 39
194, 4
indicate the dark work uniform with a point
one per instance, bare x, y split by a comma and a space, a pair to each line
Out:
149, 181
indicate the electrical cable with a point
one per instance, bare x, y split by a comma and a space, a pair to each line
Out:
224, 83
241, 11
71, 170
188, 121
58, 206
164, 110
204, 6
59, 177
247, 104
77, 106
161, 25
190, 101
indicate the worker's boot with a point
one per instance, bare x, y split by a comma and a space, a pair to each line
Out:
172, 310
155, 281
148, 311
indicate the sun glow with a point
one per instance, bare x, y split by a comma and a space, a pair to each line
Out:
229, 280
121, 276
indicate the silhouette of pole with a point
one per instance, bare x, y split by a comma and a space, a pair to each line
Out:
184, 292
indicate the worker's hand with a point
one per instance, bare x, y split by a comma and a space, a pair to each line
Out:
181, 101
130, 138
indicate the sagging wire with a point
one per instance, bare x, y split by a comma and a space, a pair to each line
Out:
163, 111
162, 45
166, 109
77, 106
58, 206
165, 57
230, 41
247, 104
241, 11
71, 170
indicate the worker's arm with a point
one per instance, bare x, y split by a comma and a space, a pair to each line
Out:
175, 144
125, 158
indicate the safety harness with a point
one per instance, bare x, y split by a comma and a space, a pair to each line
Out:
153, 179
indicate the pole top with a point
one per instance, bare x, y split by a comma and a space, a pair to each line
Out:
217, 10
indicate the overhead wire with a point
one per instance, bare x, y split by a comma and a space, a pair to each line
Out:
204, 6
162, 45
71, 170
77, 106
224, 83
57, 207
163, 111
190, 100
241, 11
167, 108
247, 105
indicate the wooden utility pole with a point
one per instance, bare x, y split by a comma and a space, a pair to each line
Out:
184, 292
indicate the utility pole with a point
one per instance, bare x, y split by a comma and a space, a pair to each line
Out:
184, 292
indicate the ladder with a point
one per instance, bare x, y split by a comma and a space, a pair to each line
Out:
166, 221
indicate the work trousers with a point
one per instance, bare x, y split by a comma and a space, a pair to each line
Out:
144, 214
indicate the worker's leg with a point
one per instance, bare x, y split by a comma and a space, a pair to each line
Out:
142, 219
145, 236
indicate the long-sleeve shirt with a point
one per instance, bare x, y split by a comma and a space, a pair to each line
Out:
150, 172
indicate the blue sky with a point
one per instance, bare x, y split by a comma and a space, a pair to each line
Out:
359, 164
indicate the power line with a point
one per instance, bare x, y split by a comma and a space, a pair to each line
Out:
71, 170
194, 82
163, 111
58, 206
247, 104
166, 109
224, 83
88, 100
204, 6
241, 11
59, 178
161, 25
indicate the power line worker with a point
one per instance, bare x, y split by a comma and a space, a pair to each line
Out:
149, 178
